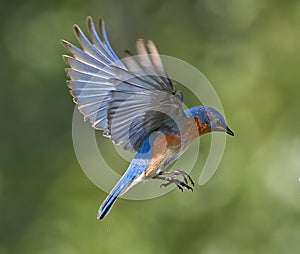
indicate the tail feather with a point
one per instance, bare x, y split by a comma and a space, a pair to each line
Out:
120, 188
106, 205
128, 180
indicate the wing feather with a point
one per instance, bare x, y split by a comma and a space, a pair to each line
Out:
129, 100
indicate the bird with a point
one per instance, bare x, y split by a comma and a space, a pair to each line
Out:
136, 105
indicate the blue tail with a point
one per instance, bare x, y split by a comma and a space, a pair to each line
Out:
108, 203
124, 184
130, 178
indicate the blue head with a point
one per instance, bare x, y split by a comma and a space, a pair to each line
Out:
209, 117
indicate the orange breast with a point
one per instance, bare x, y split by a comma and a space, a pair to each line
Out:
202, 128
168, 143
162, 145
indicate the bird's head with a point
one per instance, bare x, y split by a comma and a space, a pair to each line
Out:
209, 118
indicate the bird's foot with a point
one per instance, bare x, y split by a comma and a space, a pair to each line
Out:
169, 177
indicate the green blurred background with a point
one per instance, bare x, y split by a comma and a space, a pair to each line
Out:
250, 52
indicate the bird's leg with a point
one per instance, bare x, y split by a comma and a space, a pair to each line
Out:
169, 177
186, 177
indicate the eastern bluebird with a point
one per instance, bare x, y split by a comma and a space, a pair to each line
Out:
136, 105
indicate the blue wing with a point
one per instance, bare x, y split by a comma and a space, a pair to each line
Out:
126, 100
90, 73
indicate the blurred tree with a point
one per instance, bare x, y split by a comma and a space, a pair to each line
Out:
249, 50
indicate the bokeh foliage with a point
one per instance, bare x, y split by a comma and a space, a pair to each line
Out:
250, 52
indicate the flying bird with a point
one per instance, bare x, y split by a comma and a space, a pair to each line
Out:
137, 106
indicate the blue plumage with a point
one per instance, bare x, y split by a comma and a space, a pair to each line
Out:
211, 117
136, 105
138, 165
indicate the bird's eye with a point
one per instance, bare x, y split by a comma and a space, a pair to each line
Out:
219, 122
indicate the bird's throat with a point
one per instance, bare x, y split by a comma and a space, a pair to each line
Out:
201, 127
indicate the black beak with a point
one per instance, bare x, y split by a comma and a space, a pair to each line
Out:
228, 131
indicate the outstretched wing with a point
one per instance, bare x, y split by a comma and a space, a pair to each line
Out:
90, 73
127, 100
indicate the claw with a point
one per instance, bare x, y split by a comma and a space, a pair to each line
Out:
179, 187
169, 177
191, 180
